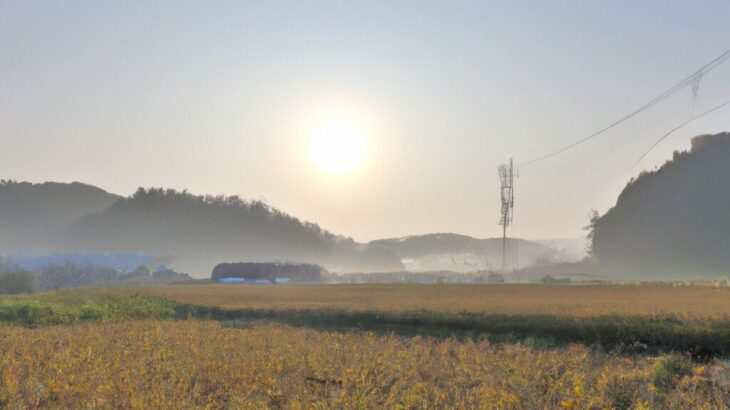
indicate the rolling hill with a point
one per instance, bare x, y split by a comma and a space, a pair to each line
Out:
35, 218
449, 251
198, 232
194, 233
672, 221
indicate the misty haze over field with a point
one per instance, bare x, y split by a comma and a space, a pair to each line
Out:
671, 222
194, 233
364, 137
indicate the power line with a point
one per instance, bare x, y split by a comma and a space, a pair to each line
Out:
688, 80
677, 128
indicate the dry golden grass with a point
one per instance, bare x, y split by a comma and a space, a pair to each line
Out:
694, 302
190, 364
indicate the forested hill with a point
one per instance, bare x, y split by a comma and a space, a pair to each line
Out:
35, 217
193, 232
198, 232
672, 221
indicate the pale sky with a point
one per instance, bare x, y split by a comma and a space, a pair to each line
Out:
223, 97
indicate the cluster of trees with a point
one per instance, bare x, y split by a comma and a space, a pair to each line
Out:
125, 262
13, 283
68, 275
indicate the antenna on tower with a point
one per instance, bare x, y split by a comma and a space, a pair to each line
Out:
506, 177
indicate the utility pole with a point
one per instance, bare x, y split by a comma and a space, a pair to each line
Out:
506, 191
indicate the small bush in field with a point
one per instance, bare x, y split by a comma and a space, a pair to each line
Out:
669, 370
623, 389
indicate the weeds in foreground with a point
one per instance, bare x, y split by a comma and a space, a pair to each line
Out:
183, 364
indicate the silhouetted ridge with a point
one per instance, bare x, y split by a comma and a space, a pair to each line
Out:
672, 221
200, 231
449, 251
35, 217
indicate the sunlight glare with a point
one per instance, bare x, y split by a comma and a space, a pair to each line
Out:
337, 146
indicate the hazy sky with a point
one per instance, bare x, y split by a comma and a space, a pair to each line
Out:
222, 97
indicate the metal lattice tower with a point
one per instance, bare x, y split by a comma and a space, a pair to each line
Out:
507, 194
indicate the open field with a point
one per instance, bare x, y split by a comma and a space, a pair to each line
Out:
191, 364
648, 300
366, 346
627, 318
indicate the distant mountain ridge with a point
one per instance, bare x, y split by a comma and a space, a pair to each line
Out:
198, 232
674, 221
194, 233
37, 217
449, 251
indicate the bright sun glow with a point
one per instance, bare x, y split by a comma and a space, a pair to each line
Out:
337, 146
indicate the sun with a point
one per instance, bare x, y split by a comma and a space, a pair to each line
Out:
337, 146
